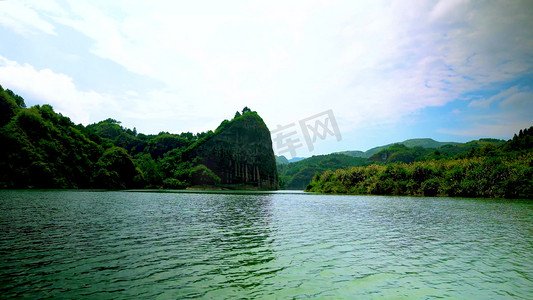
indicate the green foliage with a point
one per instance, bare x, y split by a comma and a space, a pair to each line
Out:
436, 150
222, 126
43, 149
151, 170
202, 175
8, 107
500, 174
521, 142
109, 129
173, 183
117, 170
404, 169
18, 99
246, 110
297, 175
165, 142
431, 187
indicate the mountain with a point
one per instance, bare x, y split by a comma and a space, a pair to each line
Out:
44, 149
426, 143
483, 168
296, 159
411, 143
296, 175
355, 153
281, 159
299, 171
239, 153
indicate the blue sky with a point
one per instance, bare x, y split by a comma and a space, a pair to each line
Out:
389, 70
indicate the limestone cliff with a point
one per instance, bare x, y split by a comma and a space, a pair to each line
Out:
240, 153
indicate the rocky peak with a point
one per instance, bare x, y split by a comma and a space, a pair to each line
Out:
240, 153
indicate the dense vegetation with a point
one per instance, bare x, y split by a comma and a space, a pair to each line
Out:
495, 169
297, 175
411, 143
158, 157
44, 149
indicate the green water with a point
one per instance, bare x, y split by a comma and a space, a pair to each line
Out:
131, 245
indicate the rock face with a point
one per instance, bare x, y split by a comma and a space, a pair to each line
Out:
240, 153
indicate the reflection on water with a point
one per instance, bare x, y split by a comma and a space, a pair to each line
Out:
72, 244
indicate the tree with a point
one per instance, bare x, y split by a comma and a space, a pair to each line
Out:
188, 135
117, 169
202, 175
8, 107
18, 99
165, 142
150, 169
246, 110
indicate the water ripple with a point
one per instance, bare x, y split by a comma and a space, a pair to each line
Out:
123, 245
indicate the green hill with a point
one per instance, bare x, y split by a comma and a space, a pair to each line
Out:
281, 160
482, 168
296, 175
44, 149
424, 143
239, 152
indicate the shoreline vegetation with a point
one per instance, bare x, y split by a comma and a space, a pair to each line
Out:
42, 149
505, 171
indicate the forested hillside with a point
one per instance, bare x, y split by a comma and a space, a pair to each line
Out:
411, 143
298, 175
44, 149
496, 169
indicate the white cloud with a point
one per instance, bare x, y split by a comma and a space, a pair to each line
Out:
498, 97
372, 62
480, 130
447, 9
520, 101
51, 88
22, 18
511, 110
48, 87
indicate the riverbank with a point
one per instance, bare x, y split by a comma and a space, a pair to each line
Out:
484, 177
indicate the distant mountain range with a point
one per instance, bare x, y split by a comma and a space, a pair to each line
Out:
283, 160
424, 143
297, 172
411, 143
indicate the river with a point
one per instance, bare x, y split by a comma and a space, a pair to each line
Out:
141, 244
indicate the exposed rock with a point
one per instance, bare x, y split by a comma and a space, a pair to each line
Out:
240, 153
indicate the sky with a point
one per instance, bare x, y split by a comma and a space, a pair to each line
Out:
386, 71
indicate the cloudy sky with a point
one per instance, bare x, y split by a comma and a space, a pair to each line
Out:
388, 70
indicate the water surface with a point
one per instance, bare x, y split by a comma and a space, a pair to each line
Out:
124, 245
